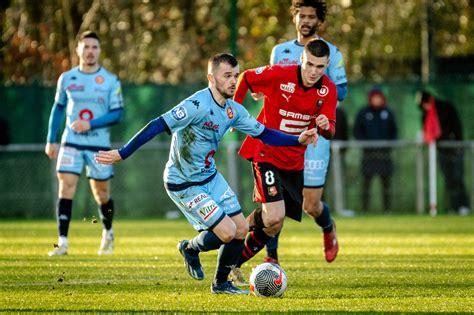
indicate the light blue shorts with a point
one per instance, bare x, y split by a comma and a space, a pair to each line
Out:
316, 162
206, 205
72, 160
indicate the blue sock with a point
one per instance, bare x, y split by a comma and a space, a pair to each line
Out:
324, 220
228, 255
204, 241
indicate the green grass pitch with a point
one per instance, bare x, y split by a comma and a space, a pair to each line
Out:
390, 264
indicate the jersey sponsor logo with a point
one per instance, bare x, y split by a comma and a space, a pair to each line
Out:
210, 125
191, 204
259, 70
289, 87
314, 164
287, 62
179, 113
287, 98
293, 126
300, 116
208, 210
86, 114
99, 79
75, 87
323, 91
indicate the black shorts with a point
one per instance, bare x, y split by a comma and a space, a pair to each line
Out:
274, 184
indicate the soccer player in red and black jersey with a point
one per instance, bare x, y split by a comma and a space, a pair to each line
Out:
296, 99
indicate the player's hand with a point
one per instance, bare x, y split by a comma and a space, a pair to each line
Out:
322, 122
108, 157
81, 125
308, 137
51, 150
258, 96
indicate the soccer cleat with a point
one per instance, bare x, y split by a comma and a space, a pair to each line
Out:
227, 288
191, 262
271, 260
331, 247
58, 251
107, 244
237, 277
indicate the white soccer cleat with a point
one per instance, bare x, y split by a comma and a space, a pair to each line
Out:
58, 251
107, 243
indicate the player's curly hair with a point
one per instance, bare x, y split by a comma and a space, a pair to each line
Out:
319, 5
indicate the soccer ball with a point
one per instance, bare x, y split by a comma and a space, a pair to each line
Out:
268, 280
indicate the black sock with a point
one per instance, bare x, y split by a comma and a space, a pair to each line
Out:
203, 242
64, 211
106, 212
228, 255
254, 242
324, 220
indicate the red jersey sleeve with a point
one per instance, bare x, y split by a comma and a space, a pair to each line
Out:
258, 80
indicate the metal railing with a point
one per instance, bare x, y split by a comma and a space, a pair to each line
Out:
28, 185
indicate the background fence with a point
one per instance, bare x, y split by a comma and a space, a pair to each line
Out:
28, 184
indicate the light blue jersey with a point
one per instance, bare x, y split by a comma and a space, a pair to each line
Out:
316, 159
198, 124
88, 96
289, 53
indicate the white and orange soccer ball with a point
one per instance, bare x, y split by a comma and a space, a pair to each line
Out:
268, 280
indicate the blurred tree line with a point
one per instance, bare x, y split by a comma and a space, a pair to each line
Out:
160, 41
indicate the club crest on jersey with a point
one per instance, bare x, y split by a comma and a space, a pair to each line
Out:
179, 113
272, 191
230, 113
259, 70
323, 91
289, 87
99, 79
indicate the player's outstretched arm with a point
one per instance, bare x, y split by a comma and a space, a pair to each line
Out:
108, 157
278, 138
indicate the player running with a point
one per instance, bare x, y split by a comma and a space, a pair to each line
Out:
296, 98
191, 179
91, 98
308, 15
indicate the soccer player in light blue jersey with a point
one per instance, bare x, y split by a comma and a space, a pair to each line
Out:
91, 98
308, 15
197, 125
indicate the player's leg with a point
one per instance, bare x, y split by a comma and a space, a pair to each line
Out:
69, 167
316, 166
272, 249
99, 180
386, 187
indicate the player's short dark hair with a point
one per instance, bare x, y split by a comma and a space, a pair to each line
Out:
217, 59
319, 5
88, 34
317, 48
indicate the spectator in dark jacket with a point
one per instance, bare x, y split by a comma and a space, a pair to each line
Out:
376, 122
451, 159
4, 132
